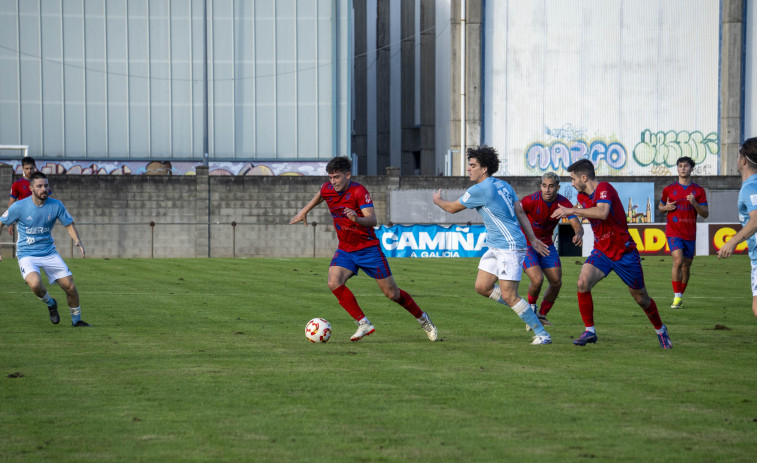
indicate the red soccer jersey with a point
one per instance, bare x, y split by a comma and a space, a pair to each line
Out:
539, 213
352, 236
682, 222
21, 189
610, 235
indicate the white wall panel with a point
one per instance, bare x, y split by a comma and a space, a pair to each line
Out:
125, 79
632, 85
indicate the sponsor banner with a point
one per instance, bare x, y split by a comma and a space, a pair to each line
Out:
720, 233
432, 240
650, 238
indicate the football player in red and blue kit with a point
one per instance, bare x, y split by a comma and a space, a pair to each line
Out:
351, 208
539, 207
21, 188
682, 201
614, 250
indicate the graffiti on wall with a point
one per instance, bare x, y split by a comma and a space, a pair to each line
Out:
654, 154
560, 154
664, 148
173, 168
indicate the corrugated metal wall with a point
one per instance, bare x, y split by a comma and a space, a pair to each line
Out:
118, 79
633, 84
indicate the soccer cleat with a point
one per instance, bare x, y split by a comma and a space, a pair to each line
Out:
428, 327
53, 309
543, 319
586, 337
677, 303
542, 340
80, 324
664, 339
363, 329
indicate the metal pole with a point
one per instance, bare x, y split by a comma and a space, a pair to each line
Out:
152, 240
315, 224
233, 239
205, 143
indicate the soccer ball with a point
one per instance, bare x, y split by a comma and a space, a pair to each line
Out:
318, 330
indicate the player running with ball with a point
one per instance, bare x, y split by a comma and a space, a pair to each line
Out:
506, 224
359, 249
614, 250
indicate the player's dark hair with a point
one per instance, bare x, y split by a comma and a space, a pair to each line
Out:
36, 175
486, 156
749, 151
686, 159
28, 160
583, 167
339, 164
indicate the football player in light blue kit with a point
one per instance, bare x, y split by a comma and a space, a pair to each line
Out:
747, 165
505, 223
35, 217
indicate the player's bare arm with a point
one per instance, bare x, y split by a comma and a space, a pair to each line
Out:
302, 216
367, 220
746, 231
11, 227
74, 234
578, 232
450, 206
600, 211
703, 211
668, 206
525, 225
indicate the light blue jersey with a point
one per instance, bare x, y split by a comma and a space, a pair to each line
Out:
494, 199
35, 225
748, 203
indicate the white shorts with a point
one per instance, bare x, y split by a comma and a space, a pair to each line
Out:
53, 266
505, 264
754, 279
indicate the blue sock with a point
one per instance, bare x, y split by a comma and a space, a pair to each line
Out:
530, 318
75, 315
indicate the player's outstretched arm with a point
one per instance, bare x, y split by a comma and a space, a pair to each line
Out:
746, 231
74, 233
450, 206
302, 216
528, 230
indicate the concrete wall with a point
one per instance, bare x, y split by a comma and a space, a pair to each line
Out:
193, 214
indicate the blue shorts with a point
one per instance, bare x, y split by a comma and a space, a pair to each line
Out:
370, 260
533, 258
689, 247
627, 267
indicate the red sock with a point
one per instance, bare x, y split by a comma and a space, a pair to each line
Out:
653, 314
683, 287
532, 299
347, 300
677, 287
409, 304
545, 307
586, 307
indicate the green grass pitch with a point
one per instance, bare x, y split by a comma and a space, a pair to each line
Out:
206, 360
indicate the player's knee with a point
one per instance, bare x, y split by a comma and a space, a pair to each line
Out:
483, 290
583, 286
537, 281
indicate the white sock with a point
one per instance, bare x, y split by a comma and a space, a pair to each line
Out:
46, 298
496, 296
591, 328
678, 295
